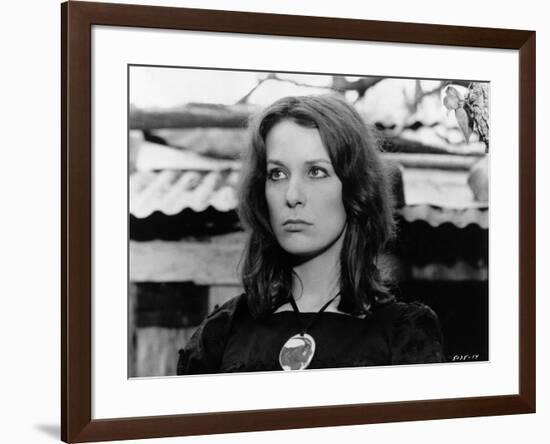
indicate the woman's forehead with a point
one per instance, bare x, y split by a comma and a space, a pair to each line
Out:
289, 141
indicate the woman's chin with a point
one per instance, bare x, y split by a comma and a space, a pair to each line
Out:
304, 245
295, 249
302, 251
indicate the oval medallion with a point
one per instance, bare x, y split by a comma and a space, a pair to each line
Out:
297, 352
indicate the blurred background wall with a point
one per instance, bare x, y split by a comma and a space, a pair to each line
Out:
186, 140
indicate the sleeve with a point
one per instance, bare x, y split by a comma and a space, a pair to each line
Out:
416, 336
204, 350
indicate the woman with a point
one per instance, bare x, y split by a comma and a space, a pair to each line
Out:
318, 204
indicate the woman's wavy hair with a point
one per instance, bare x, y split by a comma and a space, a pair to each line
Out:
366, 194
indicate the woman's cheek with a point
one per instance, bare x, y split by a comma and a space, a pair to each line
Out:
275, 200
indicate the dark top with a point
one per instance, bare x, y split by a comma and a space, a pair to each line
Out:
230, 340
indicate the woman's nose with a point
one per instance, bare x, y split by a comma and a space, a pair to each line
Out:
295, 194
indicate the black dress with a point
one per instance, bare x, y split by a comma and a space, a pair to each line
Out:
230, 340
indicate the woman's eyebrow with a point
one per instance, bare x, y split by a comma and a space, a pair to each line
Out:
320, 160
307, 162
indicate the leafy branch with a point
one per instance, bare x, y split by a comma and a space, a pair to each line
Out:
471, 111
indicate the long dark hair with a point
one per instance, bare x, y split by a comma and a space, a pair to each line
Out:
366, 194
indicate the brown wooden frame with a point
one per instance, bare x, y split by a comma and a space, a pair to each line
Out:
77, 19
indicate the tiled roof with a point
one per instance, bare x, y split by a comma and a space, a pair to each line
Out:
435, 216
172, 191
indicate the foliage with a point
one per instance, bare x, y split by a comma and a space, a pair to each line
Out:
471, 111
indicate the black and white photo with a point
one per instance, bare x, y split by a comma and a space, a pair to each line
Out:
289, 221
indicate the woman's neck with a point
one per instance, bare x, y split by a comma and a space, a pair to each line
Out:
317, 280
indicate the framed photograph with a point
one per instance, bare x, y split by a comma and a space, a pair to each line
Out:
274, 221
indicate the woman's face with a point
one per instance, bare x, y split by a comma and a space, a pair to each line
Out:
303, 193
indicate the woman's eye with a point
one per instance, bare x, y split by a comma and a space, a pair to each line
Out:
318, 173
275, 174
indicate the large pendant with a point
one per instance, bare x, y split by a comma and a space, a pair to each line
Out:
297, 352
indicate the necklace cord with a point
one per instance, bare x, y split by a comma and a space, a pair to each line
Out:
297, 312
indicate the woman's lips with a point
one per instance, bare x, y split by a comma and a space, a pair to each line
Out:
295, 225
